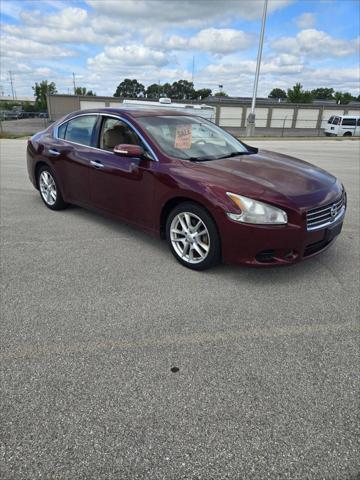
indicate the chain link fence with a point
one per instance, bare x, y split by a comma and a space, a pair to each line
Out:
31, 122
22, 123
279, 127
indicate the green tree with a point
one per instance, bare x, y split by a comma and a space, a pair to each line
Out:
277, 93
202, 93
130, 88
221, 94
41, 90
154, 91
80, 91
323, 93
343, 97
298, 95
167, 90
84, 91
182, 90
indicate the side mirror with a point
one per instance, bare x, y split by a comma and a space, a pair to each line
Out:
128, 150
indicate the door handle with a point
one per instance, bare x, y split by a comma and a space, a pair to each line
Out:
96, 164
134, 168
53, 152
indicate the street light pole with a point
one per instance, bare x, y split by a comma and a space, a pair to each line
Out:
250, 123
74, 83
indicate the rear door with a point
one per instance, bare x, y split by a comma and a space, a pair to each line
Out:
121, 185
348, 125
357, 129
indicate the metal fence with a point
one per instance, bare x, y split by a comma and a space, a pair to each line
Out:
23, 123
235, 125
284, 127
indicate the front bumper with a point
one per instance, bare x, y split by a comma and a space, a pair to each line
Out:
266, 245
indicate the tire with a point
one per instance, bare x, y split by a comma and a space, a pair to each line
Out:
347, 134
193, 237
49, 189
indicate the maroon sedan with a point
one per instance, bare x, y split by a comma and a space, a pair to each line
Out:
182, 178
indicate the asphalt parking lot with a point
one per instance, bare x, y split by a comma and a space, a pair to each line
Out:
95, 314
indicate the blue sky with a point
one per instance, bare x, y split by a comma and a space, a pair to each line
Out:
105, 41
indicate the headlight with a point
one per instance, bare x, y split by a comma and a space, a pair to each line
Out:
252, 211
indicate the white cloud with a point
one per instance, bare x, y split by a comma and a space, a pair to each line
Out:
283, 64
182, 12
221, 40
306, 20
66, 19
316, 43
140, 38
213, 40
15, 47
128, 55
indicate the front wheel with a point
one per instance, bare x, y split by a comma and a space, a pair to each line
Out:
193, 237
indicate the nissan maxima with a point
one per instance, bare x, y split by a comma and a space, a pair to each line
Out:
182, 178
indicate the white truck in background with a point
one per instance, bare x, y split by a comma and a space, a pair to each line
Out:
202, 110
343, 125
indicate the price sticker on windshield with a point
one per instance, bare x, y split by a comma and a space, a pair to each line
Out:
183, 137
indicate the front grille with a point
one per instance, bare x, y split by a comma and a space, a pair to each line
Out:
321, 217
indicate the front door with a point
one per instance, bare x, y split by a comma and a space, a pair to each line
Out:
121, 185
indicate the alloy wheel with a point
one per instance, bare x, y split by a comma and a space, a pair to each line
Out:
47, 188
190, 237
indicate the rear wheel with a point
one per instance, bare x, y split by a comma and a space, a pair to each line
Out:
49, 189
347, 134
193, 237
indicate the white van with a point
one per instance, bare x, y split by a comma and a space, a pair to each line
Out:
202, 110
343, 125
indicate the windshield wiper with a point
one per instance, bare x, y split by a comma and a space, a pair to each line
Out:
199, 159
232, 154
208, 159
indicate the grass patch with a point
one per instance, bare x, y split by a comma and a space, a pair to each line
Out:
15, 135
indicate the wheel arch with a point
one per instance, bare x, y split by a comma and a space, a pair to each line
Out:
172, 203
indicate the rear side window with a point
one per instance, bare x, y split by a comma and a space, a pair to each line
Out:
358, 122
79, 129
349, 121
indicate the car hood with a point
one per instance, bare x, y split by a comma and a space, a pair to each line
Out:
270, 176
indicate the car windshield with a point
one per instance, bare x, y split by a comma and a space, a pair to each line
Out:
191, 138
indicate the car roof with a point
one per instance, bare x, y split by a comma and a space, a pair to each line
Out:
135, 112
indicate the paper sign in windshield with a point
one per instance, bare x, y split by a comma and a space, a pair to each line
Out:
183, 137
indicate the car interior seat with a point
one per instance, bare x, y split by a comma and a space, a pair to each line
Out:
117, 135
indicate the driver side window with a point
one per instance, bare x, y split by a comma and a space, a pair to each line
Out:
115, 132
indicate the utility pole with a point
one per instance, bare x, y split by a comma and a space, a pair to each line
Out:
193, 69
12, 84
250, 123
74, 83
